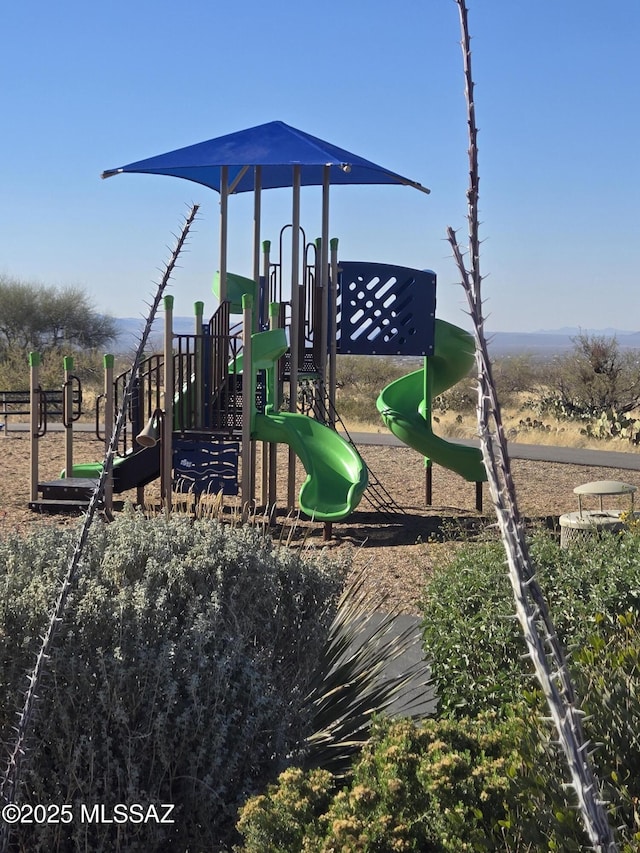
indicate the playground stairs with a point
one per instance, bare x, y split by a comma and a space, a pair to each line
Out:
64, 495
308, 366
224, 414
226, 406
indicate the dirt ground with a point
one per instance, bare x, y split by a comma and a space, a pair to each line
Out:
393, 536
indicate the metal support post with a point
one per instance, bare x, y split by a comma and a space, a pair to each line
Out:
333, 331
109, 420
198, 365
248, 400
34, 425
167, 421
272, 496
428, 470
67, 414
295, 331
224, 227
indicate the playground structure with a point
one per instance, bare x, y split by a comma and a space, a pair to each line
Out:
200, 407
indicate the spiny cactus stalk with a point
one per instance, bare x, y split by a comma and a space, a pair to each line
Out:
10, 780
531, 608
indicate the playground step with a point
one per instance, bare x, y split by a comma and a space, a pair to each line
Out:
58, 505
64, 494
68, 487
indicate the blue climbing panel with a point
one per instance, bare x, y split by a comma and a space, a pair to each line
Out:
385, 309
205, 465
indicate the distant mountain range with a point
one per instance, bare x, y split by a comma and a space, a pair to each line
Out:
545, 343
541, 344
130, 329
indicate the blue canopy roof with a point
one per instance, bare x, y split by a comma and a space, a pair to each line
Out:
276, 147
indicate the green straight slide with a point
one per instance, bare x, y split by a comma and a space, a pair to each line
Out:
405, 405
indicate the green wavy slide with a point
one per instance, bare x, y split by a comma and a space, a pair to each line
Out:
405, 405
336, 474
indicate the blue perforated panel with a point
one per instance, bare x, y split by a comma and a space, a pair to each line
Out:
385, 309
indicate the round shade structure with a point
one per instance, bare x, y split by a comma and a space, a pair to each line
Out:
274, 146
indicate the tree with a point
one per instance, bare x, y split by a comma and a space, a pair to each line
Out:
39, 317
596, 377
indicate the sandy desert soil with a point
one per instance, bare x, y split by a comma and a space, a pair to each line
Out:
393, 536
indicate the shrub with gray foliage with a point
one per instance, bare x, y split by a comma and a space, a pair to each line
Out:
176, 677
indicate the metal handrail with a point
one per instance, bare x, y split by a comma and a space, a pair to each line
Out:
42, 412
67, 419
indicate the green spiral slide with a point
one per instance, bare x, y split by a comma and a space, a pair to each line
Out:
405, 405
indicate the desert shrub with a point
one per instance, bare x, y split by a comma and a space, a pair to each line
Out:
356, 680
35, 316
594, 377
461, 398
471, 637
176, 677
360, 379
514, 374
291, 811
446, 785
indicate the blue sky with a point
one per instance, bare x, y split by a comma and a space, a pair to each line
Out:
88, 87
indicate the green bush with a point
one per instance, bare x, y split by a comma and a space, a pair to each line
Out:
447, 785
488, 774
607, 672
471, 636
176, 677
494, 782
479, 659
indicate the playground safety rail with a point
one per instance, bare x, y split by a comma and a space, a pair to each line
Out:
51, 404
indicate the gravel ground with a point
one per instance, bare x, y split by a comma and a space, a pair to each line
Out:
393, 536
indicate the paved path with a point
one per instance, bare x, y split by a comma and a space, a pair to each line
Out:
418, 698
534, 452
